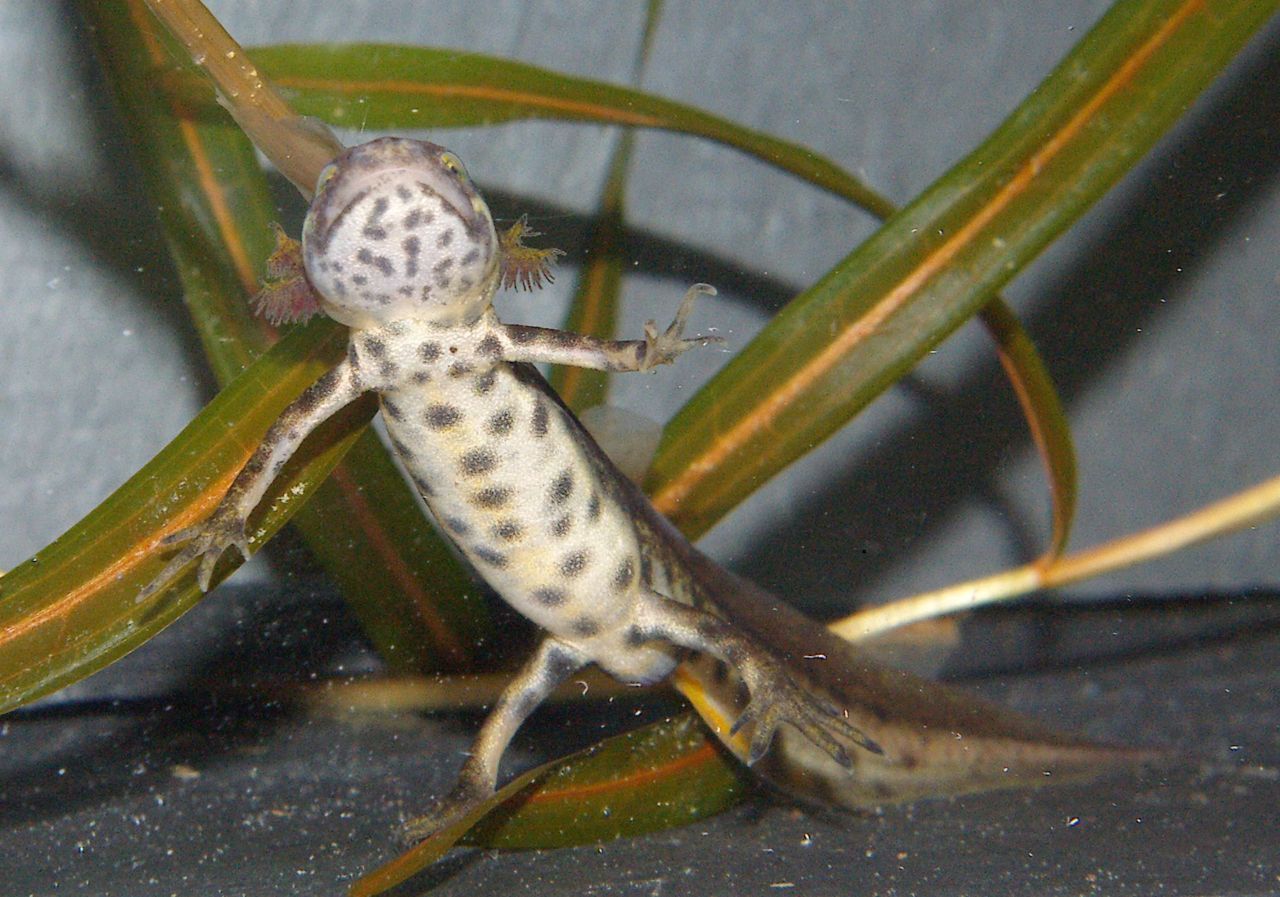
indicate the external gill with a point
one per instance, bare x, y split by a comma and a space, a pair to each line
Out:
523, 266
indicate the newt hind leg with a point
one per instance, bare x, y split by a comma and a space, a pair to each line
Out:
775, 697
551, 664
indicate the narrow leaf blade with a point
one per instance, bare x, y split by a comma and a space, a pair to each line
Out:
72, 608
389, 86
1043, 411
934, 264
414, 600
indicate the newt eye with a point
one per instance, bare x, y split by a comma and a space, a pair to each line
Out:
326, 175
454, 164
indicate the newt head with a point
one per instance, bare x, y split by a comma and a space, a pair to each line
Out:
397, 231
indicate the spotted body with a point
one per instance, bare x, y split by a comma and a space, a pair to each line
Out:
399, 246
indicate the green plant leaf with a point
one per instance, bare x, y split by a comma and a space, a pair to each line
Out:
594, 307
72, 609
1043, 411
394, 87
652, 778
420, 609
934, 264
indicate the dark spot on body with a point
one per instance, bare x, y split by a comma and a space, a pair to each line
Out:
500, 424
420, 377
384, 266
416, 218
646, 569
585, 627
403, 192
490, 347
563, 526
445, 238
457, 526
429, 352
593, 507
375, 347
375, 233
491, 557
471, 256
492, 497
561, 488
574, 563
549, 597
359, 279
425, 292
540, 417
401, 449
484, 383
522, 335
353, 358
635, 636
411, 247
442, 266
625, 573
388, 369
477, 462
508, 530
441, 417
424, 488
340, 286
460, 369
379, 209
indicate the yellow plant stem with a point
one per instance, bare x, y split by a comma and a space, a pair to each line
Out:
1243, 509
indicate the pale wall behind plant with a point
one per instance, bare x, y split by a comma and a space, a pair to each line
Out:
1160, 311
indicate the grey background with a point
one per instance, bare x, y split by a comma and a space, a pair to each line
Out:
1158, 315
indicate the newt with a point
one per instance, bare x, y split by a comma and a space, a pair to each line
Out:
400, 246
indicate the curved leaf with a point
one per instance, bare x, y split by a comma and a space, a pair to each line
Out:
656, 777
594, 308
417, 604
934, 264
72, 609
388, 86
1043, 411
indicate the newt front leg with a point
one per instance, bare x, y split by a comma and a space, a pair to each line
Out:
225, 528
